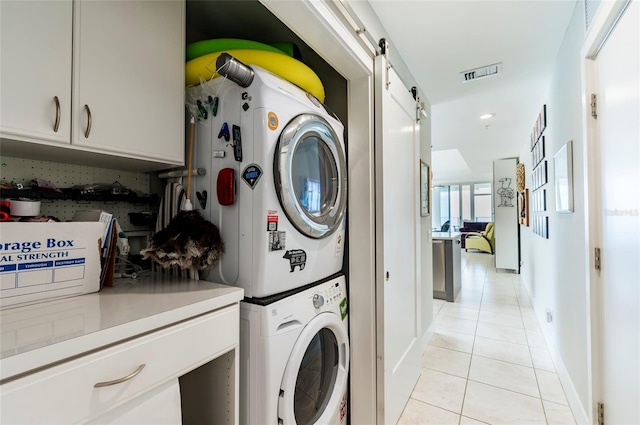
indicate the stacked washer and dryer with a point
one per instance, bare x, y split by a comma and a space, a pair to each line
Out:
276, 188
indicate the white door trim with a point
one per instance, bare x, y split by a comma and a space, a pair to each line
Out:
603, 23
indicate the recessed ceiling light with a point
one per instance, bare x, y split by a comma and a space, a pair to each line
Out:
486, 116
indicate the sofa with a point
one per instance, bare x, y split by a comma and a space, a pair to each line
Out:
482, 241
470, 226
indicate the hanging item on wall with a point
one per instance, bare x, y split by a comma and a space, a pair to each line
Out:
523, 207
520, 177
563, 175
506, 193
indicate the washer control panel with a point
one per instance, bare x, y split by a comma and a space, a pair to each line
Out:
328, 296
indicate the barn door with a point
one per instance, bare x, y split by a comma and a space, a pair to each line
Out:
397, 242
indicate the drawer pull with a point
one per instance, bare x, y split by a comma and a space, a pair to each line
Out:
57, 123
86, 133
121, 380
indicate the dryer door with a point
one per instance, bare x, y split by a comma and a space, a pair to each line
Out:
310, 176
315, 379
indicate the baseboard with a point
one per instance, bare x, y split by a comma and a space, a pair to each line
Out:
428, 335
579, 413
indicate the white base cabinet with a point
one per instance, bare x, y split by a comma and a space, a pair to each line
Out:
117, 354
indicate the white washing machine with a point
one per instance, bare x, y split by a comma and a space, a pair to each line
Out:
294, 358
276, 183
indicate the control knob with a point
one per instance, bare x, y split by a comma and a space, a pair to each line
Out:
318, 300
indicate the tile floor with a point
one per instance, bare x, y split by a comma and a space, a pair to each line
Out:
488, 361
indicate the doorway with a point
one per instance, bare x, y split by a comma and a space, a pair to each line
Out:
612, 66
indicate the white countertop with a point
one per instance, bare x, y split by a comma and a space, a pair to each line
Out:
445, 235
40, 334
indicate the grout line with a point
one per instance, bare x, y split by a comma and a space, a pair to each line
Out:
444, 373
433, 405
507, 389
506, 361
452, 349
447, 373
502, 340
474, 419
464, 395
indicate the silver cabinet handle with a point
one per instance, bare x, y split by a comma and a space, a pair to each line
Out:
121, 380
86, 133
56, 125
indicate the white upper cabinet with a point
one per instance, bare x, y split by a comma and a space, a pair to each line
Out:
35, 70
112, 71
129, 78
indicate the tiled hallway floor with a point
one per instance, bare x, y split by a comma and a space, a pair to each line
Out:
487, 361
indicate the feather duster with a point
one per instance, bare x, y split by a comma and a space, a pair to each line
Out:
189, 242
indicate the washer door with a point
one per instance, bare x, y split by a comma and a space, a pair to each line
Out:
310, 176
315, 377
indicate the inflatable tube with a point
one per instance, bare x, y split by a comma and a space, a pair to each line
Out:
204, 47
288, 48
280, 64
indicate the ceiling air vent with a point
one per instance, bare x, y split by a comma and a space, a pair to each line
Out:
482, 72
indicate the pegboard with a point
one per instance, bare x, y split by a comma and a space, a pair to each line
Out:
22, 171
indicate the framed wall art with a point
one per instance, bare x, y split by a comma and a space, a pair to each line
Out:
523, 207
563, 178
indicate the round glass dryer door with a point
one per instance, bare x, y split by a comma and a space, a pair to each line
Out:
310, 176
315, 377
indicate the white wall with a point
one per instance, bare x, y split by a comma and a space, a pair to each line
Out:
554, 269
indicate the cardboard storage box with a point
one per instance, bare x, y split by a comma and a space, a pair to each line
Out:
41, 261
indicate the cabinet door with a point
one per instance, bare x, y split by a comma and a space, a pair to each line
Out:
129, 78
35, 68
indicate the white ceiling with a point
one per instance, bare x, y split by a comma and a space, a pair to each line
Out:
439, 39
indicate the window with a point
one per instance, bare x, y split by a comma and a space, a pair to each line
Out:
444, 207
482, 210
455, 204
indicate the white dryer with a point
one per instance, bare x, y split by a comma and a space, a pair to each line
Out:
294, 358
276, 183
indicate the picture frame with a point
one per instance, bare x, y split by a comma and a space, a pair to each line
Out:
425, 189
563, 178
523, 207
538, 127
